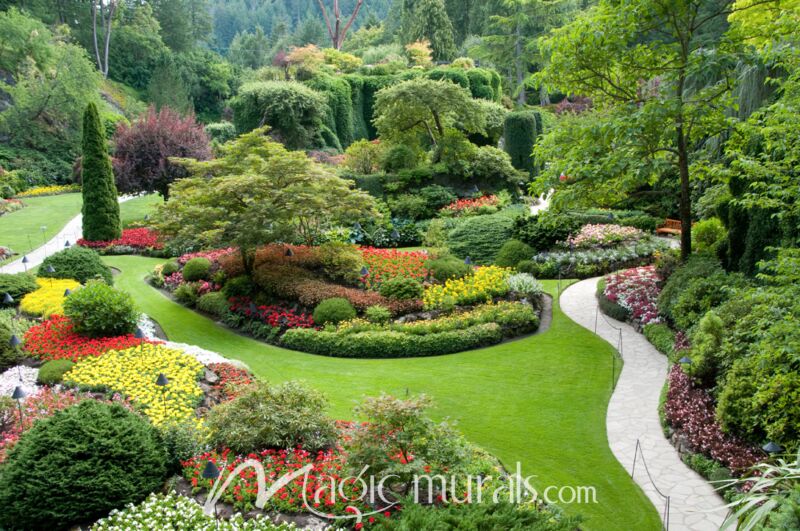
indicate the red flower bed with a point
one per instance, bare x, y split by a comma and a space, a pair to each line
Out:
384, 264
691, 411
143, 238
468, 206
54, 339
637, 291
231, 379
274, 316
311, 292
212, 256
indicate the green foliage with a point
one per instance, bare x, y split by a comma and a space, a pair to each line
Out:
378, 314
399, 157
241, 286
492, 167
98, 310
660, 336
17, 285
512, 253
363, 157
214, 303
443, 269
543, 231
527, 285
186, 294
167, 89
339, 106
280, 416
196, 269
170, 267
334, 311
522, 129
293, 111
52, 372
698, 266
454, 75
608, 307
480, 237
8, 356
401, 288
221, 132
700, 295
428, 21
76, 262
101, 220
182, 441
706, 342
410, 206
340, 261
85, 460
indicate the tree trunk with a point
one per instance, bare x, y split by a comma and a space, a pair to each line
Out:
686, 199
522, 97
248, 260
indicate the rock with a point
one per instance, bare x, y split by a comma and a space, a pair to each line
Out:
210, 376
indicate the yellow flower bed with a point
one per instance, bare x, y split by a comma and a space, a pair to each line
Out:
133, 372
54, 189
49, 298
487, 282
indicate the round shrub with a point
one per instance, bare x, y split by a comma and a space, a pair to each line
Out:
280, 416
401, 289
215, 303
512, 253
78, 263
538, 269
196, 269
52, 372
186, 294
341, 261
240, 286
480, 237
399, 157
8, 356
378, 314
17, 285
444, 269
334, 311
169, 268
707, 234
525, 284
98, 310
78, 465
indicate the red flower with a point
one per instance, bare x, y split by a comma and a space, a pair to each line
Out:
142, 238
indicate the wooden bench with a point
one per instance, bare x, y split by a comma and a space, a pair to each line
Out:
671, 227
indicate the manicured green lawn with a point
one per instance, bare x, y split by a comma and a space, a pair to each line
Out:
540, 401
136, 209
21, 230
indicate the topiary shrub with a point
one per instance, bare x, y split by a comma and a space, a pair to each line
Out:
707, 235
101, 221
522, 129
221, 132
215, 303
480, 237
279, 416
443, 269
186, 294
78, 263
78, 465
401, 289
52, 372
334, 311
170, 268
17, 285
98, 310
378, 314
512, 253
196, 269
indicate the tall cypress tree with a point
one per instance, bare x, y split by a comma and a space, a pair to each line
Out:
429, 21
100, 207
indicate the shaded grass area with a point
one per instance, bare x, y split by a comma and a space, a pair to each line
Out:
540, 401
135, 210
22, 230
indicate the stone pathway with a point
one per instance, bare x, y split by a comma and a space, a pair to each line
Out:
633, 415
71, 233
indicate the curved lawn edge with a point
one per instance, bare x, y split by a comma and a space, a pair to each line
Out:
540, 401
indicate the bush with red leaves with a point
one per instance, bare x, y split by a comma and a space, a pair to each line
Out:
140, 239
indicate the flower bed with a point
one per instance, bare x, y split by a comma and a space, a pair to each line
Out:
487, 283
54, 339
691, 411
384, 264
5, 253
591, 236
212, 256
637, 291
132, 240
231, 379
585, 264
487, 204
274, 316
49, 298
54, 189
134, 371
10, 205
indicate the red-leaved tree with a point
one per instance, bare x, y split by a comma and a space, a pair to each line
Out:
141, 158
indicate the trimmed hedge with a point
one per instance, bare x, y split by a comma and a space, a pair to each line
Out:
522, 129
480, 237
390, 344
78, 263
52, 372
17, 285
340, 106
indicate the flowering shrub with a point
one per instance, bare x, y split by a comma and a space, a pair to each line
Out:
471, 207
637, 291
5, 253
54, 189
328, 467
171, 282
212, 256
134, 371
311, 292
10, 205
274, 316
486, 283
604, 236
38, 406
589, 263
231, 379
54, 339
691, 410
204, 287
49, 298
137, 239
385, 264
173, 511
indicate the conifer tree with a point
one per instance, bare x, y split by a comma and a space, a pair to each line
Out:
429, 21
101, 220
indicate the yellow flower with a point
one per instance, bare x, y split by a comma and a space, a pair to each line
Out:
486, 283
134, 371
49, 298
50, 190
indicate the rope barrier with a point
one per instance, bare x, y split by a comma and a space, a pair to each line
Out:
637, 453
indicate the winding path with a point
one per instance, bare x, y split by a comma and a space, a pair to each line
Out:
633, 416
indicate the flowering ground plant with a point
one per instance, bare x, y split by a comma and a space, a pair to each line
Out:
487, 204
137, 239
274, 316
10, 205
54, 339
171, 282
637, 291
134, 371
54, 189
385, 264
487, 283
604, 236
231, 379
213, 256
49, 298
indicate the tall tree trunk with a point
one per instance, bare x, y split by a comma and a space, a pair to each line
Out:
686, 198
522, 97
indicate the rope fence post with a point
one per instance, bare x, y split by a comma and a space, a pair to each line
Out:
639, 452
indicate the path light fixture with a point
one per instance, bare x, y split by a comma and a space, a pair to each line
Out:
163, 382
18, 394
211, 471
139, 334
66, 244
468, 261
67, 292
25, 262
8, 299
289, 252
50, 270
772, 448
475, 189
15, 342
43, 228
364, 271
253, 309
357, 227
686, 360
395, 234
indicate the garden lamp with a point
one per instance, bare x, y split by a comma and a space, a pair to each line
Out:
50, 270
67, 292
211, 472
162, 382
475, 189
253, 309
25, 262
67, 244
468, 260
364, 271
139, 334
18, 395
395, 234
772, 448
8, 299
289, 252
686, 360
43, 228
357, 226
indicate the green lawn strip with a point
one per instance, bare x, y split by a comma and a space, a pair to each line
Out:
21, 230
136, 209
540, 401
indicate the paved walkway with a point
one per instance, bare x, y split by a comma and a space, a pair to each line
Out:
633, 415
71, 233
